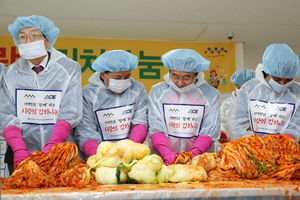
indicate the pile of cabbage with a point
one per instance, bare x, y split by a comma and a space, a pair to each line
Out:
128, 162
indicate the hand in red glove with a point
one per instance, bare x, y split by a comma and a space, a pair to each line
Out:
139, 133
13, 137
90, 148
161, 144
201, 145
290, 135
60, 133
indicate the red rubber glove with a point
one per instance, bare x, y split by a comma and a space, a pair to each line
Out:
161, 144
13, 137
290, 135
201, 145
139, 133
60, 133
90, 148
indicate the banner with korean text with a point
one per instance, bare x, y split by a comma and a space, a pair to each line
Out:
150, 70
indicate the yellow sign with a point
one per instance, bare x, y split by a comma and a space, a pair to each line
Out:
150, 70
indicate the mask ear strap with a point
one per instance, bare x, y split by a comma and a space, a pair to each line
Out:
49, 55
104, 80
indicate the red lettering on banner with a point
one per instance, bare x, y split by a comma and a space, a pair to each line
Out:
48, 111
276, 122
260, 120
174, 124
3, 55
13, 54
124, 126
189, 125
111, 128
29, 111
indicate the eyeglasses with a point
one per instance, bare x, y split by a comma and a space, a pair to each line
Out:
23, 38
176, 78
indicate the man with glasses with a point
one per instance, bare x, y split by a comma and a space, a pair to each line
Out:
184, 109
43, 96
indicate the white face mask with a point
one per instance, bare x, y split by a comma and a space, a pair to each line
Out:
32, 50
118, 86
237, 91
277, 87
183, 89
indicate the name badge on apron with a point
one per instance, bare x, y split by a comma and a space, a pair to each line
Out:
38, 106
183, 120
115, 122
270, 117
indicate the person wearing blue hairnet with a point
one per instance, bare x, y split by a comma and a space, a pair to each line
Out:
2, 95
269, 103
2, 68
183, 109
115, 105
238, 79
43, 88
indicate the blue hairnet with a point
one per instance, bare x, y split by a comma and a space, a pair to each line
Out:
45, 25
185, 60
280, 61
115, 61
242, 76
